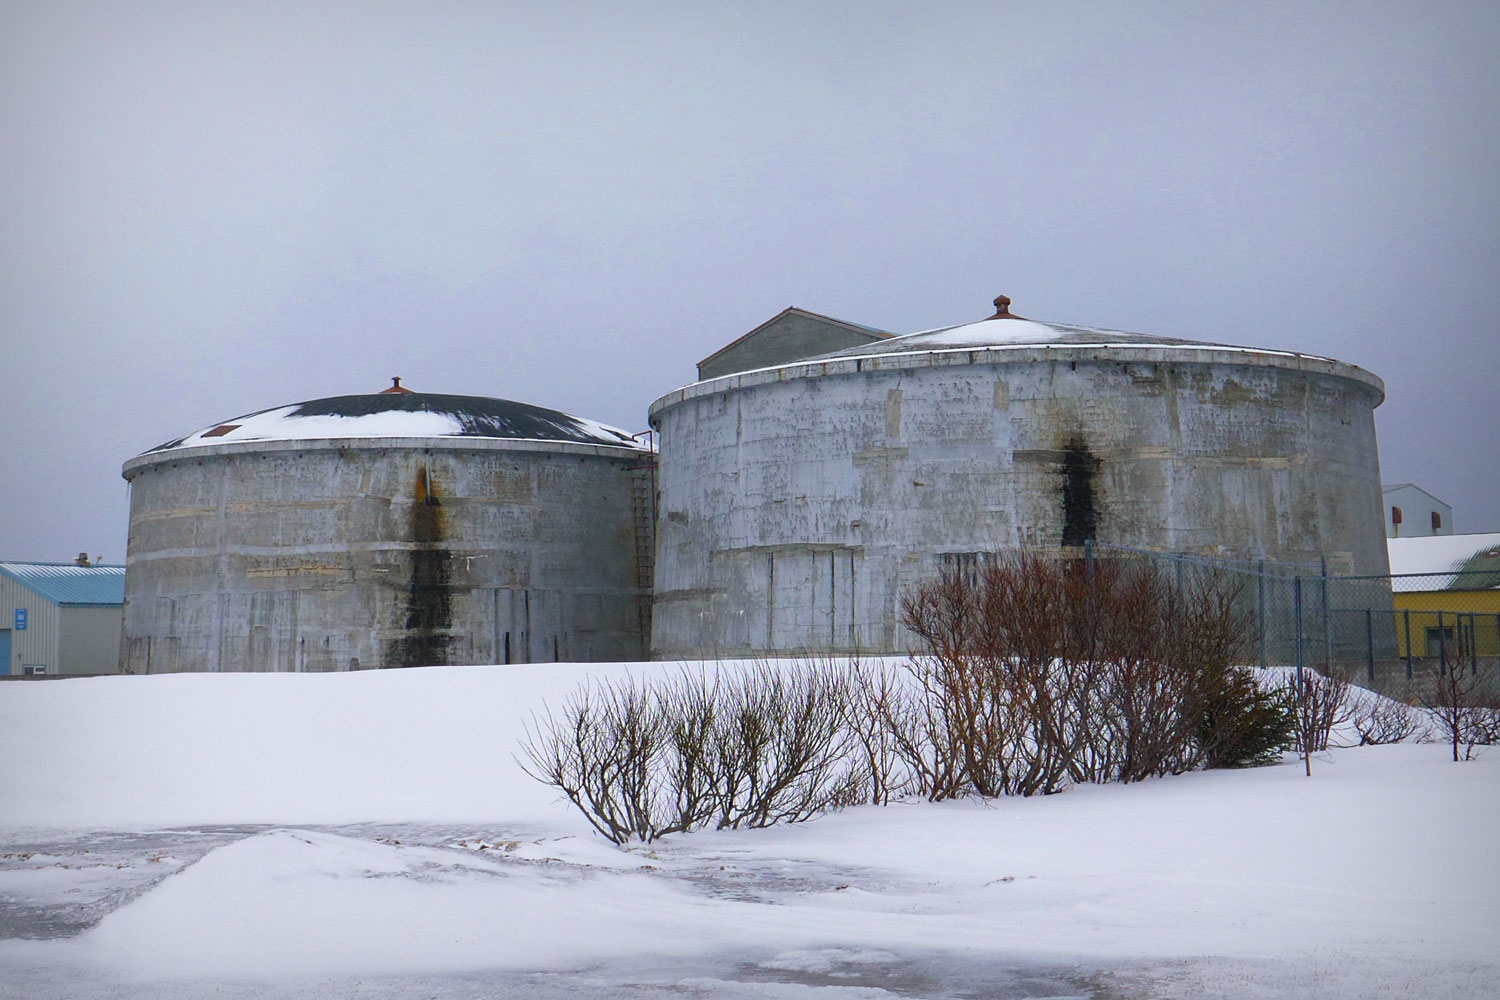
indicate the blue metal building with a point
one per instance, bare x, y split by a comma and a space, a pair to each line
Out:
60, 618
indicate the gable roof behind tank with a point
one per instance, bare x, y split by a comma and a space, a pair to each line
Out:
406, 414
790, 335
1405, 487
69, 584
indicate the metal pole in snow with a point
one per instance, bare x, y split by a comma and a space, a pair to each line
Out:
1260, 610
1301, 689
1406, 614
1473, 646
1327, 618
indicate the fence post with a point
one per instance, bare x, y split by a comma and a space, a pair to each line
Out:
1406, 614
1088, 559
1370, 644
1473, 646
1301, 687
1327, 618
1178, 560
1260, 610
1442, 646
1297, 618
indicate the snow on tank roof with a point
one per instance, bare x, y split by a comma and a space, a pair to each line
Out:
993, 340
1013, 331
406, 415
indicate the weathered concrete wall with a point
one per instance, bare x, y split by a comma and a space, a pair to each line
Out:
790, 337
336, 555
796, 505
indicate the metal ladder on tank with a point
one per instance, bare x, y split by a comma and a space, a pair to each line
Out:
643, 512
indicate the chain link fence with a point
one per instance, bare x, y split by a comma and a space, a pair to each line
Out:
1389, 633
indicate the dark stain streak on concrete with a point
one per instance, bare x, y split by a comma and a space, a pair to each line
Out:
429, 594
1080, 513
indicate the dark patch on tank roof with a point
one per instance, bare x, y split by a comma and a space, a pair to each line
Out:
476, 416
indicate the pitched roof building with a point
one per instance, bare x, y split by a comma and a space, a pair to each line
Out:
790, 335
60, 618
1411, 512
1447, 596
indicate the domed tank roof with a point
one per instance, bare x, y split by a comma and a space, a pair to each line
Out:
1005, 329
398, 412
1006, 338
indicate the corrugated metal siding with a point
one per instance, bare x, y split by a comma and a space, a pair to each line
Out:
37, 644
89, 642
68, 583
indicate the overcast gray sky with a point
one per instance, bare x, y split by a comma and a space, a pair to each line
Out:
208, 209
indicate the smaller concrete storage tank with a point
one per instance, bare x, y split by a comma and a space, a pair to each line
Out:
386, 530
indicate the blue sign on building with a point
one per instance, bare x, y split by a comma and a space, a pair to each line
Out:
20, 619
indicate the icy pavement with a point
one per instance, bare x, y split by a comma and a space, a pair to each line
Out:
855, 976
445, 911
54, 886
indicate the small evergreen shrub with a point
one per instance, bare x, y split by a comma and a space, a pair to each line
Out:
1245, 725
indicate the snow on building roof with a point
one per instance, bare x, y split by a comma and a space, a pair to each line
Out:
69, 584
406, 415
1442, 558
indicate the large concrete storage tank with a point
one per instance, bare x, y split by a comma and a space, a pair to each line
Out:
385, 530
798, 501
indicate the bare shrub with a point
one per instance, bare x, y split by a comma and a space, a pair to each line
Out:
1169, 660
780, 748
1320, 701
642, 760
690, 706
1377, 720
1036, 673
1456, 700
602, 750
874, 697
990, 713
1483, 728
920, 720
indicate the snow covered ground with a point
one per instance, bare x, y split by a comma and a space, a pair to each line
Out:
370, 835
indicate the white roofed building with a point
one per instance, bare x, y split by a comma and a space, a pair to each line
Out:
1447, 596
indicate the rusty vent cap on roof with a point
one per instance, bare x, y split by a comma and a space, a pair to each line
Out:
1002, 309
395, 386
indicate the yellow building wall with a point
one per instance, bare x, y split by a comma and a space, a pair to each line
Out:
1483, 629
